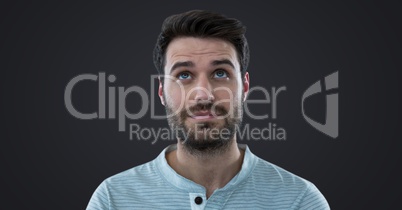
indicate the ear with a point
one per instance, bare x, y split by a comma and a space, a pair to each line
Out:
160, 92
246, 85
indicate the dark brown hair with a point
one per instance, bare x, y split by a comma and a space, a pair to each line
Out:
202, 24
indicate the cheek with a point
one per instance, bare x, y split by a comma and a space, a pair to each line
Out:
227, 97
174, 95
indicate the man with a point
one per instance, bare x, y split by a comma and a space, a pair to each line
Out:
202, 58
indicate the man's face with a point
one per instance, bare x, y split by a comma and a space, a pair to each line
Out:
203, 92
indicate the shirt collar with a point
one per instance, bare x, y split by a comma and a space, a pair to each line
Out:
187, 185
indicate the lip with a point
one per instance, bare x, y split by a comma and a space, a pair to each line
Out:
202, 115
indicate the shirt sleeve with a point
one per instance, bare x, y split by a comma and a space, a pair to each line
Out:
100, 198
313, 199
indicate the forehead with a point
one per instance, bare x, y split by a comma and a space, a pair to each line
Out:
199, 50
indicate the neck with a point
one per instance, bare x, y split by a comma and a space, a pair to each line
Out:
213, 171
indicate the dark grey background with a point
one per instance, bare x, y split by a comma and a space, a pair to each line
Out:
51, 160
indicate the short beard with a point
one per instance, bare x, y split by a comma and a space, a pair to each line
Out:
212, 141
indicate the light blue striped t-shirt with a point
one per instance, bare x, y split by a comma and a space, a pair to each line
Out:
258, 185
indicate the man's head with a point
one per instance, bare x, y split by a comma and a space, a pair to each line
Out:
203, 58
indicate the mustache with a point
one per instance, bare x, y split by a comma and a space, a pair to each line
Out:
216, 109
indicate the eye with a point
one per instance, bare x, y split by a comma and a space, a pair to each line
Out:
184, 75
220, 74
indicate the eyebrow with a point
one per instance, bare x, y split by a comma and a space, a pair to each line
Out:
181, 64
221, 62
191, 64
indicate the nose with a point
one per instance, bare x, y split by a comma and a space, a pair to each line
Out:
203, 90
